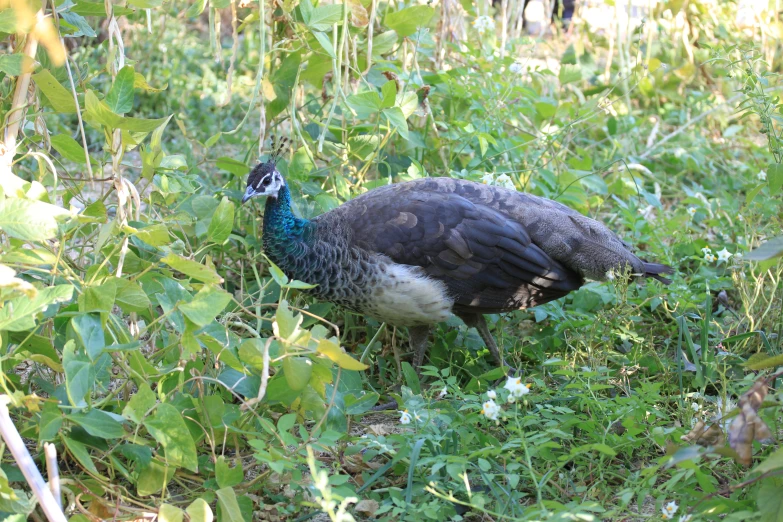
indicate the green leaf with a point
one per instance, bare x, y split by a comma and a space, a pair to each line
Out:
411, 379
17, 315
15, 64
365, 104
169, 513
192, 269
286, 422
397, 120
213, 139
546, 110
388, 94
751, 195
82, 28
228, 506
156, 235
770, 501
98, 298
92, 8
146, 4
153, 478
775, 177
141, 403
136, 453
130, 296
49, 425
764, 362
322, 17
7, 21
277, 274
98, 112
772, 462
325, 42
141, 124
361, 405
79, 375
140, 82
168, 427
383, 43
98, 424
768, 250
69, 148
233, 166
196, 8
297, 372
28, 219
59, 97
251, 352
79, 451
408, 20
90, 331
199, 511
120, 97
222, 222
333, 351
569, 74
286, 324
226, 476
206, 305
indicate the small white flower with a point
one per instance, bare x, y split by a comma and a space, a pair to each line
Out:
738, 256
695, 406
669, 510
515, 68
492, 394
488, 178
610, 275
723, 256
505, 181
417, 417
482, 24
443, 392
685, 518
710, 258
706, 250
740, 218
762, 176
692, 211
405, 417
516, 388
491, 410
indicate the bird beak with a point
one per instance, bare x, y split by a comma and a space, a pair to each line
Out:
249, 193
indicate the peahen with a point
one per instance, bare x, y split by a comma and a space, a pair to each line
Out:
413, 253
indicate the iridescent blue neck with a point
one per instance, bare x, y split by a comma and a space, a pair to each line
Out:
280, 224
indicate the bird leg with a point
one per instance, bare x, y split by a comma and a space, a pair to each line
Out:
419, 335
478, 322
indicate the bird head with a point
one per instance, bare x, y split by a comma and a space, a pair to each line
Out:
264, 180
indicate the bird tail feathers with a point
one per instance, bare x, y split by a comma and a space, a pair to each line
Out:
655, 270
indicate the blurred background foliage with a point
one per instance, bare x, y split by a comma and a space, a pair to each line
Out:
180, 376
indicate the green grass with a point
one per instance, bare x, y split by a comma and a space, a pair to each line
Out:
174, 369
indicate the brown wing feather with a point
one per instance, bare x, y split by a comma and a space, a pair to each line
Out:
487, 261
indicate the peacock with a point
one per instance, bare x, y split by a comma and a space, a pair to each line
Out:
412, 254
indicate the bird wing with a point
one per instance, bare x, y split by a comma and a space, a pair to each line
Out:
487, 260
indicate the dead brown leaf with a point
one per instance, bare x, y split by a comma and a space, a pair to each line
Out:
747, 426
359, 16
704, 436
367, 507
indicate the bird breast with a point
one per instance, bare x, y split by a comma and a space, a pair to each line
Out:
403, 295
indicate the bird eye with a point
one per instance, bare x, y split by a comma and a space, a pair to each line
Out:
265, 182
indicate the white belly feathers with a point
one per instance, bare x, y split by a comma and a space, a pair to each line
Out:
408, 297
